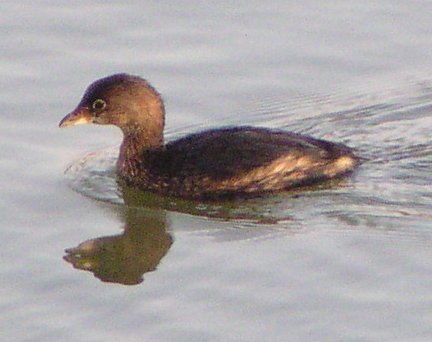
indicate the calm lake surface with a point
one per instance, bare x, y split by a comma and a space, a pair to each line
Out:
83, 260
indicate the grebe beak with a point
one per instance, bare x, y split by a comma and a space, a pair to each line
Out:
81, 115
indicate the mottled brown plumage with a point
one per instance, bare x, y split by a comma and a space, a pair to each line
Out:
230, 161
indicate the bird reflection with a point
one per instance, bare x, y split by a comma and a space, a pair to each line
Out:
124, 258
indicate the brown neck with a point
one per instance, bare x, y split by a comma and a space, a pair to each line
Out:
132, 157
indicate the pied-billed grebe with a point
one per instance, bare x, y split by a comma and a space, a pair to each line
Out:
233, 161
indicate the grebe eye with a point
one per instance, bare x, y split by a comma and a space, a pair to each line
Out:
99, 105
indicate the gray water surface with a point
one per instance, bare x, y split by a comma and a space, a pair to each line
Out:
349, 261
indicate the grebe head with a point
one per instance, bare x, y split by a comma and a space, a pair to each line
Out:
123, 100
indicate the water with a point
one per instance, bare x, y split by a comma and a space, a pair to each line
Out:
345, 262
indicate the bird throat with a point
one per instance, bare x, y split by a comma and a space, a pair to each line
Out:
134, 150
